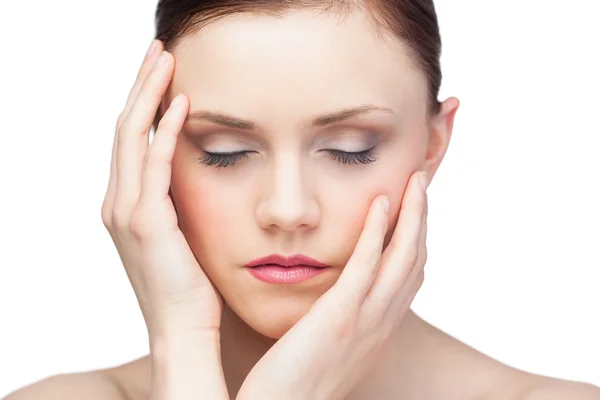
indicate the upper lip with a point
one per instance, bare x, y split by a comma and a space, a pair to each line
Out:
286, 261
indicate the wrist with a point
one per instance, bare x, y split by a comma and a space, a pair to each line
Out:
169, 341
187, 367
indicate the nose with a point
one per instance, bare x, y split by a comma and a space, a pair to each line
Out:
288, 203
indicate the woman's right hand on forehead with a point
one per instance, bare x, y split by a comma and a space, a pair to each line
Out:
181, 307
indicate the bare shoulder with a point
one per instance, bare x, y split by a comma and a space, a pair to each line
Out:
459, 371
134, 378
87, 385
125, 382
544, 388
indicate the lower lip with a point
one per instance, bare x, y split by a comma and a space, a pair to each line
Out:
279, 275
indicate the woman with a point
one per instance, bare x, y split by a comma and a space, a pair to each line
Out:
274, 229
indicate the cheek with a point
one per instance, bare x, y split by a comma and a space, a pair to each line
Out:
389, 179
207, 211
347, 203
204, 210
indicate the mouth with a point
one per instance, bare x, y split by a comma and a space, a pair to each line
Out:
278, 269
286, 261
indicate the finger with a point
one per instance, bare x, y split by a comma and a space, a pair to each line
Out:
401, 304
423, 236
360, 271
156, 175
402, 255
154, 51
414, 281
149, 60
109, 198
378, 306
133, 135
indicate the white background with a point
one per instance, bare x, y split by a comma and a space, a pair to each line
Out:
514, 237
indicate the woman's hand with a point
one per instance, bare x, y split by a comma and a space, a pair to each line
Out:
181, 308
332, 347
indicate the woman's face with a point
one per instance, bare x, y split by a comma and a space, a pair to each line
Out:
281, 89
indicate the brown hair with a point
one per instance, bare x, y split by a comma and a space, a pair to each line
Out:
412, 21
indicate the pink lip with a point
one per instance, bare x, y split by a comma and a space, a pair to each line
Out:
279, 269
291, 261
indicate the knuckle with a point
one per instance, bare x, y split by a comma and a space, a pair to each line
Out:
145, 225
420, 278
120, 135
140, 224
380, 340
129, 124
106, 218
156, 157
416, 285
343, 324
119, 220
424, 256
120, 120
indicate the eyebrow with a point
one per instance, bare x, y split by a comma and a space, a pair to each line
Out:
321, 121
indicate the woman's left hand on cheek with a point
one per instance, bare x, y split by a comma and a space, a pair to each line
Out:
325, 354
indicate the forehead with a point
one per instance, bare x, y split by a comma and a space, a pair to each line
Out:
251, 64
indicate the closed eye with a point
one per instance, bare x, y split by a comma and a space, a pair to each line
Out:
361, 157
222, 160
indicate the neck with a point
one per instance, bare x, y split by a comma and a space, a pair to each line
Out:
242, 347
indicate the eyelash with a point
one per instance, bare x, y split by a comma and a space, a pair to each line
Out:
222, 160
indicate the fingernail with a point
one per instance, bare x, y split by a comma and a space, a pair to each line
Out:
386, 204
177, 100
151, 48
161, 60
423, 181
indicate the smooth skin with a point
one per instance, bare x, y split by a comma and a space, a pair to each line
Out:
355, 336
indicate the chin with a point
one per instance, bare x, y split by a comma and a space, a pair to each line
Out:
274, 317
